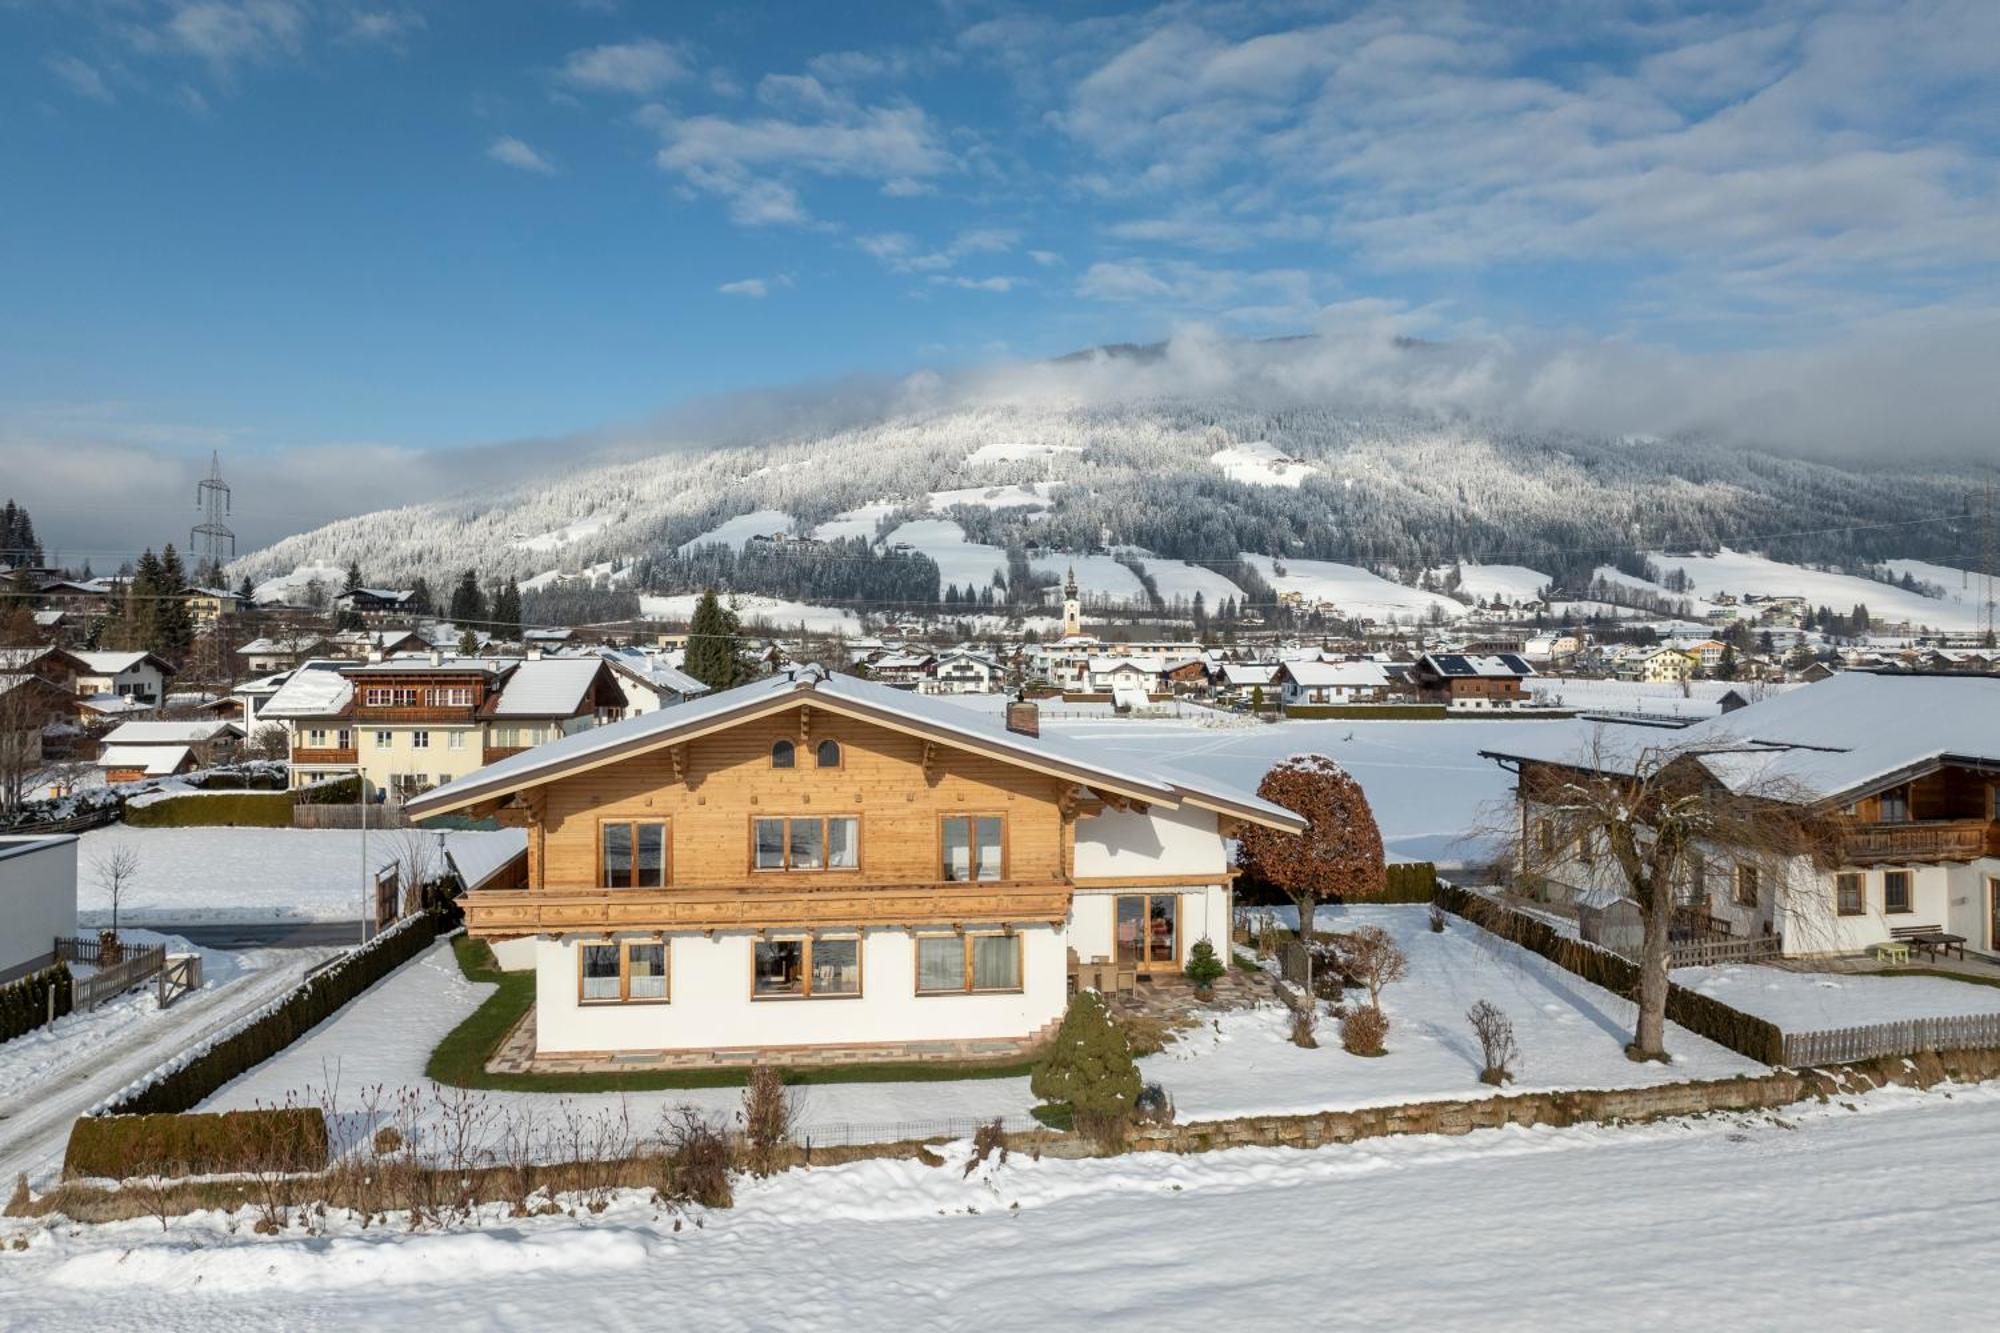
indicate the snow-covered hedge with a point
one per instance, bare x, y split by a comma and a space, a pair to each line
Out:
24, 1003
182, 1083
251, 809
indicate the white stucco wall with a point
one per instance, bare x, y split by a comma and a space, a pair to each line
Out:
37, 896
1158, 842
710, 1005
1811, 925
518, 955
1204, 914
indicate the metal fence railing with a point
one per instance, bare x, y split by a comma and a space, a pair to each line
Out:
848, 1133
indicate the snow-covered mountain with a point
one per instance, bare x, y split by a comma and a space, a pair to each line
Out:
1167, 492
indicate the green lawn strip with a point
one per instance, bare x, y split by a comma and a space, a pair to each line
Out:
1947, 976
460, 1059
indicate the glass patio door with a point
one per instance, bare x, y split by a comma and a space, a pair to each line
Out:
1148, 931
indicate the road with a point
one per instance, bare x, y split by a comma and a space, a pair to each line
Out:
35, 1118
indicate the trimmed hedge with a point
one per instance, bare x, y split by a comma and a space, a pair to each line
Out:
24, 1002
243, 809
182, 1087
290, 1138
1757, 1038
333, 791
1410, 882
1365, 712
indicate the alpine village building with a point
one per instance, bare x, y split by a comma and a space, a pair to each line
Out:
819, 867
1909, 763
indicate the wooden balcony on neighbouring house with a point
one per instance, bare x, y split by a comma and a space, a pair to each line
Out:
1920, 840
325, 754
515, 912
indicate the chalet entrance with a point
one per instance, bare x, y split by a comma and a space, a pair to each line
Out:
1148, 931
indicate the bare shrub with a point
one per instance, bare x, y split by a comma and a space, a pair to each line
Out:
1155, 1106
387, 1139
1437, 918
766, 1118
1305, 1024
1363, 1030
988, 1139
697, 1160
1496, 1042
1373, 958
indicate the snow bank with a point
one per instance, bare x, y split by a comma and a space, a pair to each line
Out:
1819, 1001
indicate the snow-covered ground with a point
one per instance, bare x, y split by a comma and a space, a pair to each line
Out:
1819, 1216
1032, 495
1961, 587
1098, 577
1572, 1034
1739, 572
1510, 583
1260, 463
211, 875
588, 526
752, 610
1424, 780
1820, 1001
738, 531
1000, 451
959, 561
1352, 590
1698, 698
1178, 581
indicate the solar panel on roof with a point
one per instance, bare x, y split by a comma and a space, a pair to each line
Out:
1514, 664
1451, 664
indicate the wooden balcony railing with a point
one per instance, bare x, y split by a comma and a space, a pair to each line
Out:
325, 754
499, 914
1923, 840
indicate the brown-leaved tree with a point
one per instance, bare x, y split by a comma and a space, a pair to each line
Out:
1340, 853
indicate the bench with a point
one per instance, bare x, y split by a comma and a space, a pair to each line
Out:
1933, 941
1890, 951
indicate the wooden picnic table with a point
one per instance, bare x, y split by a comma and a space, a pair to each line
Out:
1937, 943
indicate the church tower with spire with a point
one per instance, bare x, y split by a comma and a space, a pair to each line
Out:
1072, 607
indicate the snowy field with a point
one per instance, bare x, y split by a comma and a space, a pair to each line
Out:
1260, 463
738, 531
1737, 572
1352, 590
1819, 1001
959, 561
190, 876
1803, 1218
1178, 581
753, 610
1699, 698
1510, 583
1424, 780
1572, 1034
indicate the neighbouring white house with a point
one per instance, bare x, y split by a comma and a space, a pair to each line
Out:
137, 676
818, 867
135, 750
37, 900
648, 681
1241, 682
271, 653
1911, 763
1144, 675
1313, 682
962, 672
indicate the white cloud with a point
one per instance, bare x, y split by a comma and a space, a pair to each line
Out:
752, 287
640, 68
226, 33
512, 152
899, 251
1253, 296
1046, 258
384, 27
903, 187
996, 283
82, 78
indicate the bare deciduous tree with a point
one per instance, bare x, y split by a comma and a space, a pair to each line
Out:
1644, 821
116, 867
1372, 957
27, 704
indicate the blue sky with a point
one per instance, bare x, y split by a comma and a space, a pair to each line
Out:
327, 230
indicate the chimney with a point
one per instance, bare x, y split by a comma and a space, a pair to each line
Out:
437, 657
535, 653
374, 654
1024, 717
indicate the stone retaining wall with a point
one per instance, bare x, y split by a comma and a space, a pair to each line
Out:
1557, 1109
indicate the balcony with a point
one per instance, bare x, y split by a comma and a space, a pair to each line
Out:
325, 754
1919, 840
497, 914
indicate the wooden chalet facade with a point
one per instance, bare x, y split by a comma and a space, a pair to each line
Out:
698, 878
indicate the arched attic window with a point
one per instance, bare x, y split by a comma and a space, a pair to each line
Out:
827, 754
781, 754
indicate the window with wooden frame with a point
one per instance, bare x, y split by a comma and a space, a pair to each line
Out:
1896, 891
622, 972
811, 967
1893, 807
783, 754
1746, 886
1545, 838
805, 842
968, 963
827, 754
1850, 897
973, 847
632, 854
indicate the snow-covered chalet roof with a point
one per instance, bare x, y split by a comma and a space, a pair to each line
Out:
316, 689
169, 733
547, 687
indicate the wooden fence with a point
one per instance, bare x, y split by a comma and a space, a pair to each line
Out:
384, 816
89, 819
1841, 1045
1710, 952
138, 965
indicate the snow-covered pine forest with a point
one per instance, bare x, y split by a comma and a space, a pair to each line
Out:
1189, 480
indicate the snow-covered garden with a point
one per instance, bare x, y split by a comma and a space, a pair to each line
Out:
1801, 1001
